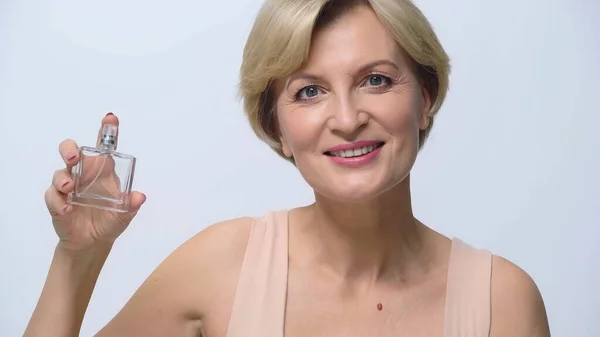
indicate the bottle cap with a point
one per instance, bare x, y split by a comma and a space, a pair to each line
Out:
109, 134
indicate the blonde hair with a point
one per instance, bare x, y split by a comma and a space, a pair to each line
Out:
279, 44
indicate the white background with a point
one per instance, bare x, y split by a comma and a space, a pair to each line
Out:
513, 163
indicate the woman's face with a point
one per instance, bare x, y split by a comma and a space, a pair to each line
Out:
351, 116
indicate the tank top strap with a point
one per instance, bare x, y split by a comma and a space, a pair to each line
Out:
259, 305
468, 292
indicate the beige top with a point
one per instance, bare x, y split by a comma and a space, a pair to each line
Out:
259, 304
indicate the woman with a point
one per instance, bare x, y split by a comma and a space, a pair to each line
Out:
347, 91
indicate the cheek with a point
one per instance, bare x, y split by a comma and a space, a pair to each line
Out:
301, 129
397, 113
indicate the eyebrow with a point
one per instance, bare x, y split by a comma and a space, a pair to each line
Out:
377, 63
362, 69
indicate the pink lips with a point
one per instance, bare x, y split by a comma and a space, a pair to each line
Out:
357, 161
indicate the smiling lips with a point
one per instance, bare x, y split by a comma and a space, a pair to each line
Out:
355, 154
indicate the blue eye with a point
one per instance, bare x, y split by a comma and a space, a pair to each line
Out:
308, 92
378, 80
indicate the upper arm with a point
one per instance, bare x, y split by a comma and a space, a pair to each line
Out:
517, 306
172, 300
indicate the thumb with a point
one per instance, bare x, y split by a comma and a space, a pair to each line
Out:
136, 201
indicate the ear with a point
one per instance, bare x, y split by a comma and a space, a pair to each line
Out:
285, 148
425, 117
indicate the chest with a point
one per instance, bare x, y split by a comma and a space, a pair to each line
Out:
316, 312
338, 321
414, 312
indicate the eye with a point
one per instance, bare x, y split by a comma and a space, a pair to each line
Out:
376, 80
307, 92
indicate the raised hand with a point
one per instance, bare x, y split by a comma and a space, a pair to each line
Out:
79, 227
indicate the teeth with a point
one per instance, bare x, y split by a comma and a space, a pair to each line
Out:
354, 153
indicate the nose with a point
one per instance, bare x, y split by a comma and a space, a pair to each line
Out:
346, 118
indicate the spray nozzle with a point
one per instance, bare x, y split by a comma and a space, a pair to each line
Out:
109, 135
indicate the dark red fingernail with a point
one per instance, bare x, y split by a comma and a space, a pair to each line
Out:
109, 114
71, 156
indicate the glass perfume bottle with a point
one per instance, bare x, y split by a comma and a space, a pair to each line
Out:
103, 177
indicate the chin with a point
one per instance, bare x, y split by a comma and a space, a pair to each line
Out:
357, 191
353, 196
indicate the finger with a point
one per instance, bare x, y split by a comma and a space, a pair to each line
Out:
69, 152
56, 202
109, 119
62, 182
136, 201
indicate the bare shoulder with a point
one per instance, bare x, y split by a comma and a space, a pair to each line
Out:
517, 305
212, 260
178, 293
221, 242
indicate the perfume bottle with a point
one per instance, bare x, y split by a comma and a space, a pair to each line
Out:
103, 177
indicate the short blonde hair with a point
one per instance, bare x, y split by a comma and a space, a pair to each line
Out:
279, 44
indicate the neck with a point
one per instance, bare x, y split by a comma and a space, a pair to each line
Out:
379, 239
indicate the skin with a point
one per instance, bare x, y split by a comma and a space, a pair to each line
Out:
358, 245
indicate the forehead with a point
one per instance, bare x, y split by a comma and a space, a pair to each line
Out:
355, 38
